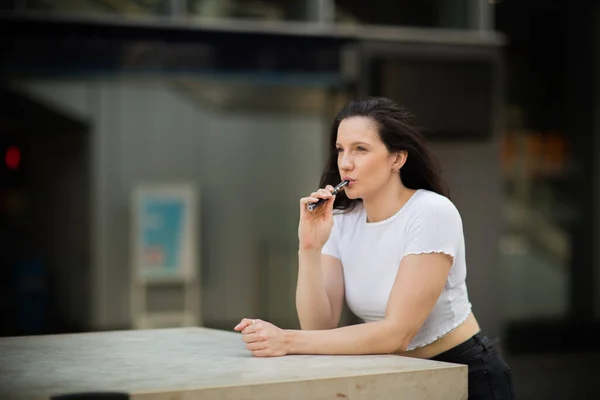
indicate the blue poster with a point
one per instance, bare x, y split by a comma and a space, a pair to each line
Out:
161, 234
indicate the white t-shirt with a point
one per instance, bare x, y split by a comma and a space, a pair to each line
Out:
371, 253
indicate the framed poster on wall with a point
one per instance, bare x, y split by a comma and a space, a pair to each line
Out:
164, 232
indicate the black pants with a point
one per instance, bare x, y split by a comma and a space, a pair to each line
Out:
489, 375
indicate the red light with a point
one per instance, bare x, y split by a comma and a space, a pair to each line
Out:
12, 158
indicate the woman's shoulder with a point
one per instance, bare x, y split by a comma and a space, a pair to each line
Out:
434, 204
429, 197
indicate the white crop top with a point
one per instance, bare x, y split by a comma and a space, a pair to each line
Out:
371, 253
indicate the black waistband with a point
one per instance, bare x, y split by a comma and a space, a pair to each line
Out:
463, 350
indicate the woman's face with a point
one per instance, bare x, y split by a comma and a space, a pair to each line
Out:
363, 158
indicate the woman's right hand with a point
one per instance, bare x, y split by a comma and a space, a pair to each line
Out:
315, 226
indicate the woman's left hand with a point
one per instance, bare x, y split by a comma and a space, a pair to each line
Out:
262, 338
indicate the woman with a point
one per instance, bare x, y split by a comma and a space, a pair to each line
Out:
393, 249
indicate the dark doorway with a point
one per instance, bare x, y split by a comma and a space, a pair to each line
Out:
44, 216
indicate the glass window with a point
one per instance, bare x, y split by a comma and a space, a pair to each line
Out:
102, 7
539, 211
415, 13
270, 10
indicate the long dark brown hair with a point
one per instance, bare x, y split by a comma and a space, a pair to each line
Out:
398, 131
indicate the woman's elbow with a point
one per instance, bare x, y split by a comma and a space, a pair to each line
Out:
399, 346
402, 345
400, 340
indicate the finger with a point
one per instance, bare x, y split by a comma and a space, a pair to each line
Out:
262, 345
253, 327
321, 193
253, 337
259, 353
264, 353
306, 200
243, 324
329, 188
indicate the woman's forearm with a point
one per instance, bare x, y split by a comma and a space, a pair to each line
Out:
380, 337
312, 302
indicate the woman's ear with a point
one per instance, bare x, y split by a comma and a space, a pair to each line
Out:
399, 160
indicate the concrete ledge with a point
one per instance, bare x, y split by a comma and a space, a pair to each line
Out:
200, 363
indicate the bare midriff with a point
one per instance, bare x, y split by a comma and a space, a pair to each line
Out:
457, 336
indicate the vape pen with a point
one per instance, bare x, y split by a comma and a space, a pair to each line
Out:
336, 190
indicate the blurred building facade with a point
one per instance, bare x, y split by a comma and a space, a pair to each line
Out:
237, 97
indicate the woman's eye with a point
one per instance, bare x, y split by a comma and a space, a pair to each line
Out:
359, 148
339, 150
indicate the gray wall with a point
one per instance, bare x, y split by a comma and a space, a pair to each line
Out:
251, 171
473, 174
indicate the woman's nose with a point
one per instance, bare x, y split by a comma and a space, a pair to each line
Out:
346, 163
